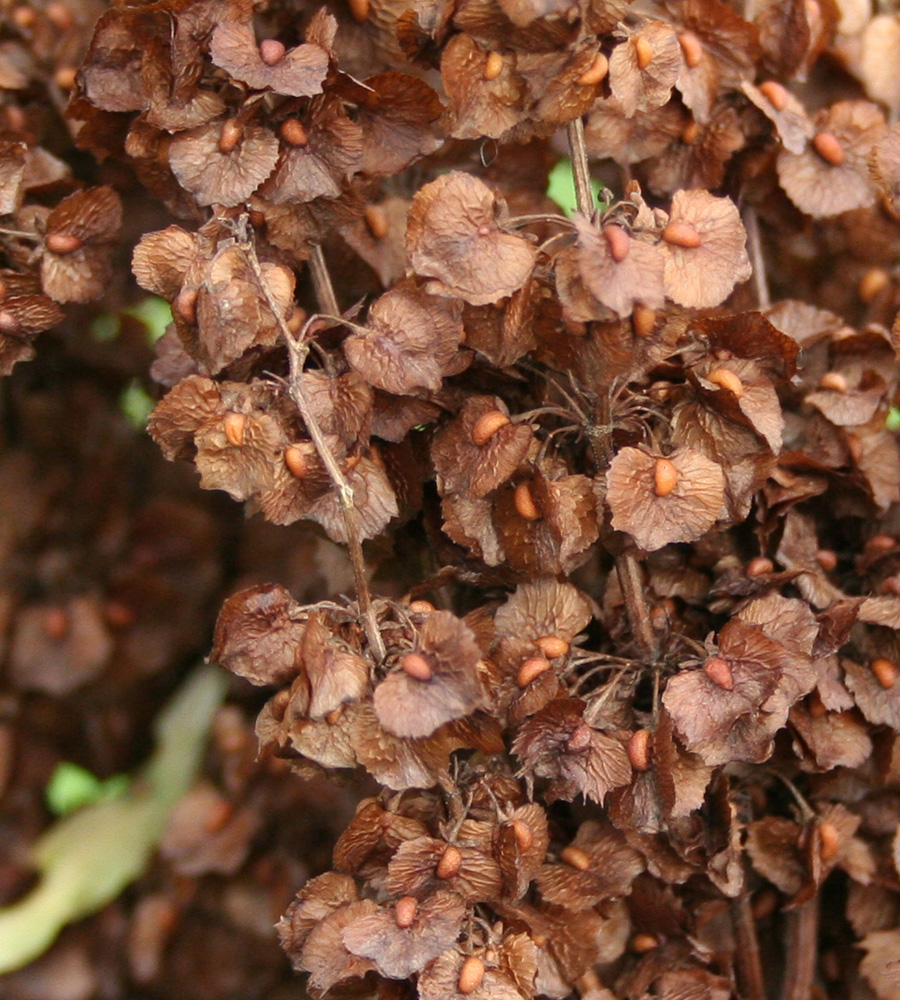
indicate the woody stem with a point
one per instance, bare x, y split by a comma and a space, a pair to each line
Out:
754, 244
580, 172
801, 944
749, 966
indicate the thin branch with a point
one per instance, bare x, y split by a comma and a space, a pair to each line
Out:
757, 260
578, 152
750, 978
328, 302
632, 584
801, 946
298, 350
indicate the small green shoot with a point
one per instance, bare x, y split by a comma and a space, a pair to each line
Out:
154, 313
562, 188
71, 787
136, 404
892, 422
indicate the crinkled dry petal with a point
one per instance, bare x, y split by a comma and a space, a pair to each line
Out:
792, 125
879, 705
643, 69
195, 401
412, 871
324, 954
300, 72
318, 898
373, 497
543, 608
161, 260
337, 674
440, 981
880, 964
13, 157
479, 106
756, 399
399, 116
610, 134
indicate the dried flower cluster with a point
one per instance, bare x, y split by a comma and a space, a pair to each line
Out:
628, 678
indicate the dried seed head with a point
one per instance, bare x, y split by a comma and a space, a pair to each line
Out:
718, 671
531, 669
271, 51
295, 460
416, 666
523, 833
232, 133
293, 132
450, 863
885, 671
726, 379
359, 9
376, 221
833, 380
487, 425
523, 499
681, 234
829, 841
552, 646
638, 749
421, 607
873, 282
827, 559
493, 66
471, 975
643, 52
405, 911
575, 857
691, 48
642, 943
690, 133
185, 305
775, 94
665, 477
643, 320
235, 426
56, 623
618, 241
595, 73
760, 566
63, 243
580, 739
828, 147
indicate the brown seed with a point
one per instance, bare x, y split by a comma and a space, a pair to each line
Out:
595, 73
760, 566
552, 646
642, 943
421, 607
493, 67
185, 305
523, 499
891, 586
524, 835
681, 234
359, 9
690, 133
293, 132
619, 243
643, 320
834, 381
643, 52
64, 77
450, 863
816, 706
63, 243
872, 283
580, 739
829, 841
575, 857
775, 94
56, 623
376, 221
416, 666
827, 559
726, 379
59, 15
487, 425
232, 133
885, 671
854, 446
235, 427
8, 322
638, 749
119, 614
828, 147
24, 17
405, 911
257, 218
295, 460
879, 544
334, 716
691, 48
665, 477
718, 671
471, 975
271, 51
764, 903
531, 669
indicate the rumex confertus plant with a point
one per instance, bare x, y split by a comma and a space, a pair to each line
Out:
633, 700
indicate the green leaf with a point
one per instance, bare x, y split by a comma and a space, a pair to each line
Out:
155, 313
137, 404
892, 422
562, 188
72, 787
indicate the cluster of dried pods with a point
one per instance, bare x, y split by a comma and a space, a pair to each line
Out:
630, 686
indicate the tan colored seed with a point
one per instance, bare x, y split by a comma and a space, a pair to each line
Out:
334, 716
690, 133
185, 305
231, 135
405, 911
828, 147
450, 863
726, 379
487, 425
775, 94
24, 17
575, 857
643, 52
879, 544
359, 9
64, 77
681, 234
885, 672
63, 243
580, 739
119, 614
59, 15
827, 559
376, 221
760, 566
638, 749
493, 66
618, 241
56, 623
834, 381
416, 666
665, 477
891, 586
642, 943
8, 322
293, 132
719, 672
421, 607
471, 975
692, 48
257, 218
595, 73
552, 646
525, 506
271, 51
532, 669
872, 283
524, 835
643, 319
295, 460
829, 841
235, 427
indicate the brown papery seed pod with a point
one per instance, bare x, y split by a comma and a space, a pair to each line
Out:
376, 221
575, 857
726, 379
531, 669
552, 646
643, 320
524, 835
63, 243
235, 426
885, 671
872, 283
774, 93
643, 52
828, 147
525, 506
829, 841
760, 566
471, 975
595, 73
833, 380
416, 666
691, 48
719, 672
405, 911
619, 243
293, 132
295, 460
665, 477
638, 749
681, 234
487, 425
232, 133
493, 66
450, 863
